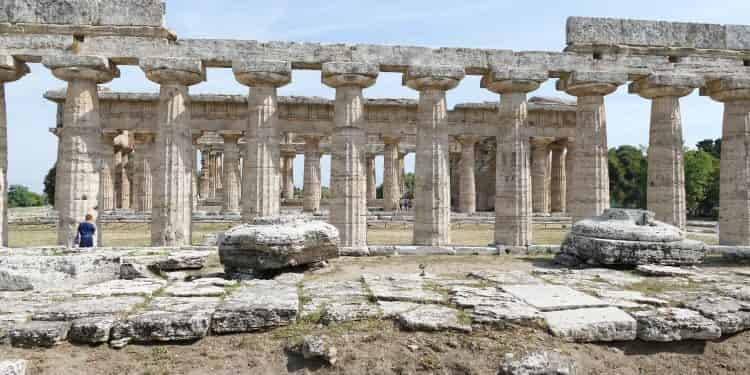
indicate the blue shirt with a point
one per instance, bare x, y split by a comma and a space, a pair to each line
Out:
86, 232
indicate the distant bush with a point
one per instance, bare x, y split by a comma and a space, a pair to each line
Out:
21, 196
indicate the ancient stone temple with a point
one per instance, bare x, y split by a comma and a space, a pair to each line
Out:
521, 157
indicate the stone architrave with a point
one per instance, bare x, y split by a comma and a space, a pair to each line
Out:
513, 208
10, 70
432, 184
172, 163
106, 174
391, 175
371, 188
77, 182
540, 175
558, 176
312, 190
144, 154
467, 200
232, 183
590, 191
734, 215
261, 178
666, 165
348, 152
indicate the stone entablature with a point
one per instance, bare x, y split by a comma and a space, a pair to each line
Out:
548, 117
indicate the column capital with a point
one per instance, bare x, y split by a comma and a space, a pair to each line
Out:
541, 141
587, 83
391, 140
433, 77
502, 80
141, 137
467, 140
342, 74
559, 144
312, 138
664, 85
73, 67
172, 70
727, 89
230, 136
12, 69
253, 73
108, 137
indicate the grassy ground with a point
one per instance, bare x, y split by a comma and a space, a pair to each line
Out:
138, 234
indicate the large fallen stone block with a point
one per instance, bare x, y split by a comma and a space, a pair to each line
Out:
13, 367
160, 326
539, 363
181, 260
257, 305
553, 297
628, 237
730, 315
86, 308
39, 334
493, 306
276, 246
592, 324
671, 324
64, 271
12, 282
433, 318
94, 330
401, 288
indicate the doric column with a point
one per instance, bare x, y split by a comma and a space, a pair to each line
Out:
402, 172
172, 206
666, 166
569, 163
77, 183
391, 175
512, 196
232, 182
126, 186
540, 175
590, 190
212, 172
288, 174
467, 199
312, 191
261, 179
10, 70
734, 213
205, 179
348, 150
144, 154
370, 168
107, 172
194, 171
558, 177
432, 216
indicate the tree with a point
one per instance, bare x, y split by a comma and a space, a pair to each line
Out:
49, 184
628, 177
701, 172
409, 183
711, 146
21, 196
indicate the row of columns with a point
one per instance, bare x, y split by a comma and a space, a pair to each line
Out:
79, 182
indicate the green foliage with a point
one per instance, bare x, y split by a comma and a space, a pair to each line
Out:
325, 192
701, 183
409, 182
49, 184
711, 146
628, 177
21, 196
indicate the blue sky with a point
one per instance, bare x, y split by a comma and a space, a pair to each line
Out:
530, 25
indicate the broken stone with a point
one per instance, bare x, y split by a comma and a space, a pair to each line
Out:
182, 260
553, 297
318, 294
656, 270
629, 299
142, 287
193, 289
57, 272
12, 282
86, 308
315, 347
492, 306
392, 309
672, 324
277, 246
132, 271
346, 311
506, 278
91, 330
433, 318
539, 363
39, 334
730, 315
257, 305
628, 237
158, 326
13, 367
591, 324
406, 289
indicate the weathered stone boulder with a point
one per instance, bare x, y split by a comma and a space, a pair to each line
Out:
539, 363
277, 243
628, 237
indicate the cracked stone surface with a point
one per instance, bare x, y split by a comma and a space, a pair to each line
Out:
394, 288
553, 297
506, 278
673, 324
86, 308
138, 287
39, 334
730, 315
432, 318
182, 260
93, 330
257, 305
591, 324
493, 306
193, 289
656, 270
539, 363
13, 367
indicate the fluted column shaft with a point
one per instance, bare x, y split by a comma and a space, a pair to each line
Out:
312, 190
371, 187
467, 199
391, 176
402, 172
12, 70
288, 175
144, 154
540, 176
231, 180
204, 177
106, 175
569, 163
124, 177
212, 174
558, 178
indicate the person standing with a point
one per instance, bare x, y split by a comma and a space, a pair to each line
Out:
86, 237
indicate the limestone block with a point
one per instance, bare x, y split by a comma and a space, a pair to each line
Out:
257, 305
138, 287
553, 297
192, 289
39, 334
318, 294
87, 308
69, 67
346, 311
440, 77
672, 324
94, 330
432, 318
335, 74
405, 289
730, 315
86, 12
265, 247
591, 324
492, 306
182, 260
62, 272
13, 367
13, 282
262, 72
317, 347
539, 363
159, 326
656, 270
186, 71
